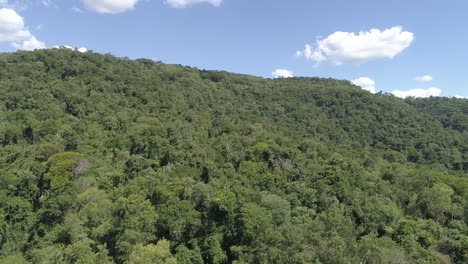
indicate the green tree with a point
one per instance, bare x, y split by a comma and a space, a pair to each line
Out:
152, 254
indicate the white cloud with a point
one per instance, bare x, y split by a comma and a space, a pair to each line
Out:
310, 54
186, 3
30, 44
13, 31
64, 47
82, 49
110, 6
282, 73
365, 83
460, 97
425, 78
11, 26
349, 47
422, 93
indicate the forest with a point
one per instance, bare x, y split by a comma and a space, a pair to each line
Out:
113, 160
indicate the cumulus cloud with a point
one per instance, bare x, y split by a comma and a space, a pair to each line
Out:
311, 54
460, 97
64, 47
425, 78
421, 93
186, 3
282, 73
82, 50
29, 44
365, 83
349, 47
11, 26
13, 31
110, 6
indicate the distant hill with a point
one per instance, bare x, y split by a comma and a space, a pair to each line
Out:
112, 160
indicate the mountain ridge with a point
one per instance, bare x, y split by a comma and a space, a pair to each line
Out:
106, 160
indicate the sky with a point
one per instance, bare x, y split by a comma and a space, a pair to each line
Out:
408, 48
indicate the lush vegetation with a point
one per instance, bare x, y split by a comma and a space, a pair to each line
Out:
108, 160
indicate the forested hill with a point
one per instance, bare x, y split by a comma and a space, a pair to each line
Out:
111, 160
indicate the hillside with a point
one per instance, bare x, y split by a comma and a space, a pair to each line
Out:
111, 160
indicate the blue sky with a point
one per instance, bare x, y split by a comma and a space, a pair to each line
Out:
381, 45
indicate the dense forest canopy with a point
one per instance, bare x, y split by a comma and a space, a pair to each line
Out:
112, 160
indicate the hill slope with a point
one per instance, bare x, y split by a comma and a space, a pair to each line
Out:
112, 160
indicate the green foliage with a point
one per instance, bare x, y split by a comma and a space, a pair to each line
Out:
112, 160
152, 254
